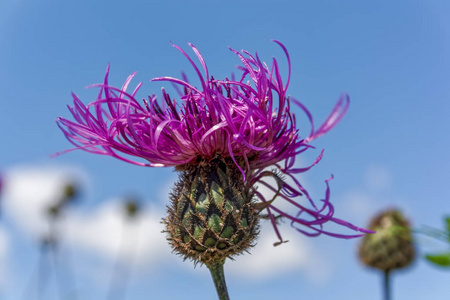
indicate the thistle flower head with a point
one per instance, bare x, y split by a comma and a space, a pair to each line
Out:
246, 122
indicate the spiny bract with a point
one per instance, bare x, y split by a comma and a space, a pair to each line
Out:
212, 215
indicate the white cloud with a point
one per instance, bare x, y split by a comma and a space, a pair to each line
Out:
4, 251
267, 261
107, 232
29, 191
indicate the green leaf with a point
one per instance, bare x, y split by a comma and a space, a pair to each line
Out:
447, 221
442, 259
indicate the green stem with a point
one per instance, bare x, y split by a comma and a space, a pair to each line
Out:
218, 276
387, 286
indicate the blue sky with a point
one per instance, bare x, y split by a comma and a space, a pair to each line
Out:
389, 150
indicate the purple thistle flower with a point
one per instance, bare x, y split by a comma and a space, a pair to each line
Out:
247, 120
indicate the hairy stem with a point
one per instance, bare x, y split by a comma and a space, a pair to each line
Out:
218, 276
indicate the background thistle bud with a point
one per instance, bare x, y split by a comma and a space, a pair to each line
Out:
391, 247
70, 191
68, 194
212, 215
131, 208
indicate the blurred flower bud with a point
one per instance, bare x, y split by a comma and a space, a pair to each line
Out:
131, 207
392, 246
54, 210
70, 191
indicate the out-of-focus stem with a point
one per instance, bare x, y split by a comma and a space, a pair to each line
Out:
387, 285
